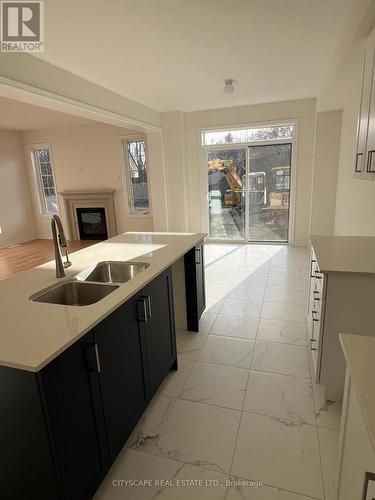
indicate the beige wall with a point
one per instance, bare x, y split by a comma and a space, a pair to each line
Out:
86, 157
303, 110
326, 163
355, 198
16, 219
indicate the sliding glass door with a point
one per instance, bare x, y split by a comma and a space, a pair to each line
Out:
269, 175
249, 192
226, 195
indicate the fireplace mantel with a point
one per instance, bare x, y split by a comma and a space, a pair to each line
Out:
98, 198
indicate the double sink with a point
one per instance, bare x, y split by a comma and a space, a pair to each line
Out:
88, 287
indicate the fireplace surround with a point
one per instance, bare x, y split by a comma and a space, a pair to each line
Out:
99, 201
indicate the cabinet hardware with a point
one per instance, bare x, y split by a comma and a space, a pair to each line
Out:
315, 292
92, 356
313, 317
148, 310
358, 170
313, 349
197, 256
317, 275
97, 359
142, 310
312, 262
312, 340
369, 161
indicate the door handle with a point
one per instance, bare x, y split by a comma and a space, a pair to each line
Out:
197, 256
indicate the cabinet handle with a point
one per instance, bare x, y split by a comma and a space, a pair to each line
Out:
317, 275
311, 266
142, 310
197, 256
356, 162
369, 161
313, 317
93, 359
315, 292
313, 349
147, 300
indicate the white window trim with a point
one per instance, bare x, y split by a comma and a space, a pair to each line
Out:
125, 186
38, 193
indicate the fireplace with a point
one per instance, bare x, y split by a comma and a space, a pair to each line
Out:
90, 214
92, 223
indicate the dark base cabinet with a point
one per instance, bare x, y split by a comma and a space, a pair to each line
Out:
195, 286
61, 428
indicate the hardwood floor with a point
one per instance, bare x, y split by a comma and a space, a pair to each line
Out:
31, 254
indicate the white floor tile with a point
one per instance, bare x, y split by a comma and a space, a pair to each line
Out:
285, 332
280, 396
189, 344
285, 312
287, 283
239, 307
328, 413
283, 296
200, 435
217, 385
247, 293
243, 489
149, 427
281, 455
177, 478
227, 351
231, 325
173, 382
329, 449
285, 359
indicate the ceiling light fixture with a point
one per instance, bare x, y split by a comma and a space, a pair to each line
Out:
228, 87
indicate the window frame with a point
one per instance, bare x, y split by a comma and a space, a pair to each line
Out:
125, 174
37, 181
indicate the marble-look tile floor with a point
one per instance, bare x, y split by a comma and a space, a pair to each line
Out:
241, 418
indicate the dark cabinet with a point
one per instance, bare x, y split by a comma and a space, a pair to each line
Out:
70, 391
157, 312
123, 377
195, 286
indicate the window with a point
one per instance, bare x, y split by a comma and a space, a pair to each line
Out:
45, 182
135, 161
264, 133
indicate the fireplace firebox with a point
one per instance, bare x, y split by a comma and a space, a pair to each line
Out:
92, 223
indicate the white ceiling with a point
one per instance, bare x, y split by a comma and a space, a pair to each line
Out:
175, 54
17, 115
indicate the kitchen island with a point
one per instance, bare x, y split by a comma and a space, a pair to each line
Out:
74, 380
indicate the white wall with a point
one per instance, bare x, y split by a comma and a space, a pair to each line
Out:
86, 157
303, 110
16, 219
355, 198
326, 164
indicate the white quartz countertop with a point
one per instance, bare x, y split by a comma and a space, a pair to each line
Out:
345, 254
33, 333
359, 352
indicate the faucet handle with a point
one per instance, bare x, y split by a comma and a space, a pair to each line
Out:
67, 263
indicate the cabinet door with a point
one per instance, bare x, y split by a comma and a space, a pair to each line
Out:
122, 373
71, 398
365, 154
159, 328
195, 286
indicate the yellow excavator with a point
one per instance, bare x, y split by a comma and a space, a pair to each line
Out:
233, 197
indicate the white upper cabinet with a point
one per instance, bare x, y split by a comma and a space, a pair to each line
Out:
365, 154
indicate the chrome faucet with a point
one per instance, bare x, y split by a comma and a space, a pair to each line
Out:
59, 242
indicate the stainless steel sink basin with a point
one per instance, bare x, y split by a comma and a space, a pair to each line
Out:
116, 271
75, 293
